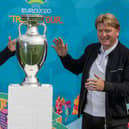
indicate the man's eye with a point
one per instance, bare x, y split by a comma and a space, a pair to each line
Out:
100, 30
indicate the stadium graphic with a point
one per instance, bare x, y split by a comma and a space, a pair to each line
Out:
35, 1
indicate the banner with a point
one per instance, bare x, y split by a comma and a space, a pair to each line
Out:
72, 20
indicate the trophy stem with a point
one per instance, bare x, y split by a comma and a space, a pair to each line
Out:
31, 79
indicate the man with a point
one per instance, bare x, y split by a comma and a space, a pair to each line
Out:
8, 51
105, 76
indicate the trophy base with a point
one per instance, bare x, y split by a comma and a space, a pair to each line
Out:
31, 82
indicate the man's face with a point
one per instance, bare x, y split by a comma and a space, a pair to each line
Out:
107, 35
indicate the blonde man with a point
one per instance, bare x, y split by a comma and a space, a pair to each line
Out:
105, 76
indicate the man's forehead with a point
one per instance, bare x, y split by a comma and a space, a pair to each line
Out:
104, 26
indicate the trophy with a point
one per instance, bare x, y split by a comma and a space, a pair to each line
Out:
31, 48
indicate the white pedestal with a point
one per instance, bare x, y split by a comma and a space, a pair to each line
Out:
30, 107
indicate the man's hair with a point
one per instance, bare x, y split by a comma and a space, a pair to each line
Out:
107, 19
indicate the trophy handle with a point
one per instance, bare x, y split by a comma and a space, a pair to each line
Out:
44, 58
45, 29
19, 28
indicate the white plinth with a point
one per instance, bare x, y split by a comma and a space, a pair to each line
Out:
30, 107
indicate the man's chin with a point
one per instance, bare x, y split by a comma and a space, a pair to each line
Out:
105, 43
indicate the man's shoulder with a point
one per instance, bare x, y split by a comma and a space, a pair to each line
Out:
93, 45
122, 51
123, 48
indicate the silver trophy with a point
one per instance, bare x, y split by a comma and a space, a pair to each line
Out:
31, 48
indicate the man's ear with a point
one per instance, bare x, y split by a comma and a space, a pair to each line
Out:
118, 31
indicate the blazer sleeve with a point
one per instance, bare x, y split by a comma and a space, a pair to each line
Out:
74, 65
5, 55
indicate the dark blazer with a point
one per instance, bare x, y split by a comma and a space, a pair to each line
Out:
116, 80
5, 55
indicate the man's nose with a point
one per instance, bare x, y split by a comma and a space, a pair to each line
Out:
104, 34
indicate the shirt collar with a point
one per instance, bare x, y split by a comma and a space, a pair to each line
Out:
106, 52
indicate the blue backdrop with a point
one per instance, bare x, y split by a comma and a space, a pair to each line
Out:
77, 30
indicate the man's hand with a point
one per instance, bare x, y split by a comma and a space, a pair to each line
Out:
11, 44
60, 47
95, 84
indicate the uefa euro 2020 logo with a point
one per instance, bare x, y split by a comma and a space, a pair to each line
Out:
35, 1
36, 7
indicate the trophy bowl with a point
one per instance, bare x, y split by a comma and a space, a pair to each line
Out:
31, 48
